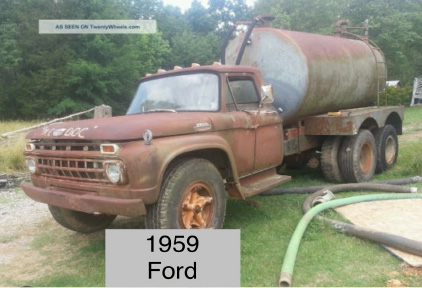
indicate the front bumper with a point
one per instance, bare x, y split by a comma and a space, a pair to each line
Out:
87, 203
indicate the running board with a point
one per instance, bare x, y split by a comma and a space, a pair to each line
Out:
262, 181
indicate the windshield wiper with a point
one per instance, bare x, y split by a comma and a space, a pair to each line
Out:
161, 110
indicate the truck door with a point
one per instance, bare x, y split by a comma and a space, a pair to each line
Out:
261, 135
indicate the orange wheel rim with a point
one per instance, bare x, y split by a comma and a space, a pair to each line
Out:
366, 158
390, 150
196, 206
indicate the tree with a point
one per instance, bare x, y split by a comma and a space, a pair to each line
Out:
60, 74
192, 48
395, 25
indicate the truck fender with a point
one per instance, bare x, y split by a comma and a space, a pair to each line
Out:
210, 147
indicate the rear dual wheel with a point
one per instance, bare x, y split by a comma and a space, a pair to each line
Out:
358, 157
349, 159
329, 159
387, 148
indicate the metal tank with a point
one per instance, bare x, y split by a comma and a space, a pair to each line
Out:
312, 74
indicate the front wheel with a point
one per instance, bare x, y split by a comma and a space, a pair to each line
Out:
80, 221
192, 197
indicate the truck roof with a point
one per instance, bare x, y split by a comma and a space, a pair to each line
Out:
216, 68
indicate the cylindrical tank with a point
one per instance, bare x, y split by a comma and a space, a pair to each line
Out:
312, 74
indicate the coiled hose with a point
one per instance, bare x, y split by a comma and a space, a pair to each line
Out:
325, 194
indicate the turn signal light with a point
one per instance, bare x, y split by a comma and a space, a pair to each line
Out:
109, 148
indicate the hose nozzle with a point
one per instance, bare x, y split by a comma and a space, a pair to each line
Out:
327, 196
285, 280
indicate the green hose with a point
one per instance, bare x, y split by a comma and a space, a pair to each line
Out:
292, 249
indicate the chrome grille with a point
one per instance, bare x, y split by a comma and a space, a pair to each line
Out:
89, 170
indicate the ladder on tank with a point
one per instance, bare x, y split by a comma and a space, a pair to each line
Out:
381, 79
417, 92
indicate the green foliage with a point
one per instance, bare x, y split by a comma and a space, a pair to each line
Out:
191, 48
45, 76
397, 95
54, 75
316, 16
396, 27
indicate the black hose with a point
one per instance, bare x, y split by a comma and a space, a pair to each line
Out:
310, 189
394, 241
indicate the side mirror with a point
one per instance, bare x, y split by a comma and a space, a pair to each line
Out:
267, 95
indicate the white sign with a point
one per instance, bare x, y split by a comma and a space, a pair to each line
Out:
97, 26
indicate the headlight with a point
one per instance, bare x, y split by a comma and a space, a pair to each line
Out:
115, 172
31, 164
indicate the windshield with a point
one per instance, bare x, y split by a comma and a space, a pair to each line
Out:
189, 92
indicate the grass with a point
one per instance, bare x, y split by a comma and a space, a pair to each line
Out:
11, 156
84, 267
6, 239
9, 126
412, 115
325, 258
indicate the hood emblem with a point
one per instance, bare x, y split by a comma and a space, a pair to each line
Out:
147, 135
59, 132
204, 126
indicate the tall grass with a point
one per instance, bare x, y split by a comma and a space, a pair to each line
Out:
11, 157
11, 150
9, 126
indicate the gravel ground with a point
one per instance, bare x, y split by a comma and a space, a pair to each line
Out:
20, 219
18, 211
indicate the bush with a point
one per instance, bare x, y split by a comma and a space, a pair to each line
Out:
397, 95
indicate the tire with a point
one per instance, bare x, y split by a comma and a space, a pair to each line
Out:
358, 157
387, 148
192, 197
329, 159
80, 221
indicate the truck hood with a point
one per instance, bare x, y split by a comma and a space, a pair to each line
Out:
127, 127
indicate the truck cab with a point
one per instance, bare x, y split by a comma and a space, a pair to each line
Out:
190, 136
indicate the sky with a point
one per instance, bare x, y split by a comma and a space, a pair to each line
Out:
185, 4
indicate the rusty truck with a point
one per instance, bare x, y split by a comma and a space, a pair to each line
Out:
194, 135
